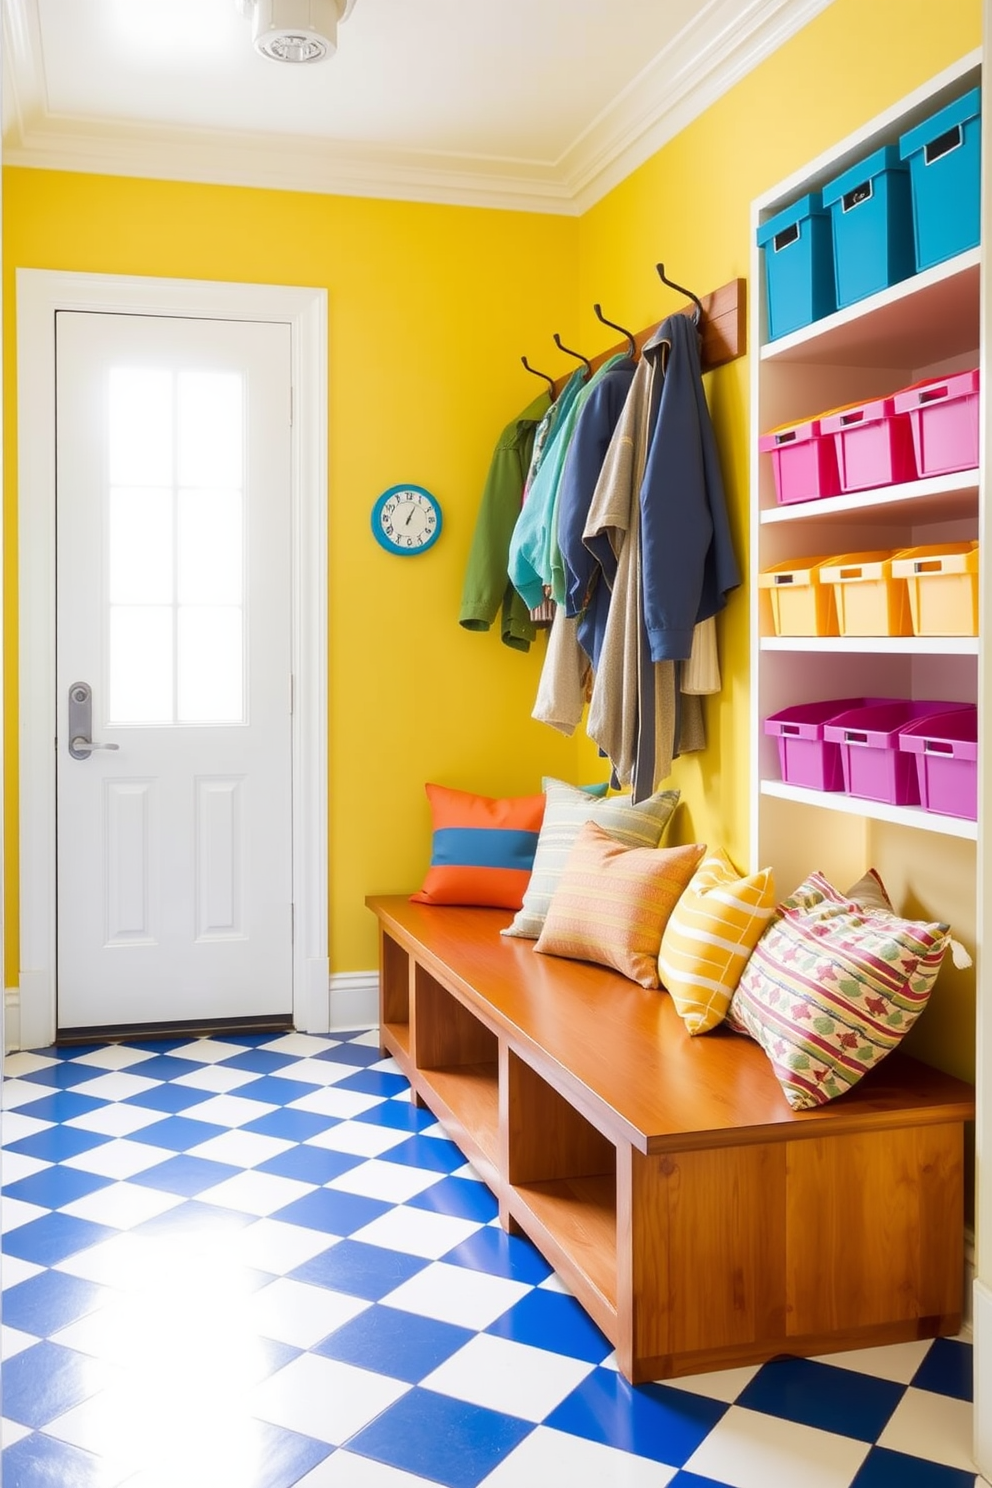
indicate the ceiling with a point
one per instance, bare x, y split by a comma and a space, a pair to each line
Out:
542, 105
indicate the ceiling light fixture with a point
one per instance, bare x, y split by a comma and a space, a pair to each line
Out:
295, 30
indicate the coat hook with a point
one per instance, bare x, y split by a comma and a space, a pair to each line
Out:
549, 380
631, 344
569, 352
681, 290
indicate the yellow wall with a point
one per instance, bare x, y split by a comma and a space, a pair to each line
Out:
430, 308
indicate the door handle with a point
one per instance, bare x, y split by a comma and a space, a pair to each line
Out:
81, 745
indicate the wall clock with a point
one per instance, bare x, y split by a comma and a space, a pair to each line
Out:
406, 519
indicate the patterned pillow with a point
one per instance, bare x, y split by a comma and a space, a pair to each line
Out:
566, 810
707, 942
612, 902
482, 848
832, 987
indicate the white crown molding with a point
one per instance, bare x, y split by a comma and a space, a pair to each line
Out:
719, 47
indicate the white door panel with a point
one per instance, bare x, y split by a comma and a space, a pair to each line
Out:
173, 606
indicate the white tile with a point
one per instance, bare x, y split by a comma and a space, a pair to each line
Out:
553, 1283
117, 1119
369, 1040
502, 1375
467, 1171
393, 1182
301, 1044
12, 1431
936, 1427
418, 1232
114, 1057
115, 1085
453, 1294
319, 1072
14, 1093
747, 1449
437, 1130
15, 1165
256, 1193
894, 1361
122, 1261
122, 1205
13, 1341
118, 1159
217, 1077
296, 1313
722, 1384
342, 1104
13, 1271
24, 1062
343, 1469
15, 1212
325, 1399
240, 1148
385, 1066
14, 1127
230, 1110
555, 1457
207, 1050
276, 1247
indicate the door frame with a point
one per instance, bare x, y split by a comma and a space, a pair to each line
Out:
40, 293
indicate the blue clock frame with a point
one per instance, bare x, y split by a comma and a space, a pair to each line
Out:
429, 521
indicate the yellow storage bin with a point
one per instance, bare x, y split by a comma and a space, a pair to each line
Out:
871, 599
801, 604
942, 583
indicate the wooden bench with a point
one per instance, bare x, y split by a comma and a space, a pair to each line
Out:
700, 1221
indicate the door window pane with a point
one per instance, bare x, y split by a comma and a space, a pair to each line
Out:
210, 428
141, 426
140, 546
210, 547
211, 684
141, 664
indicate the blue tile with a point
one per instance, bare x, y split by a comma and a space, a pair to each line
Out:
62, 1076
400, 1115
444, 1440
400, 1344
194, 1218
311, 1164
374, 1082
885, 1469
649, 1420
274, 1354
693, 1480
162, 1045
252, 1040
359, 1055
170, 1098
259, 1061
498, 1254
54, 1187
275, 1090
47, 1380
176, 1133
334, 1213
53, 1237
277, 1457
49, 1301
61, 1105
465, 1198
39, 1461
165, 1067
344, 1035
551, 1319
824, 1396
57, 1143
947, 1369
435, 1154
291, 1125
187, 1175
67, 1051
360, 1270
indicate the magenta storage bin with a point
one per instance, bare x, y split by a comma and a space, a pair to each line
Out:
875, 768
945, 749
804, 462
874, 445
944, 418
804, 756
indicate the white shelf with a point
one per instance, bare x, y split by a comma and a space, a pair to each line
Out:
874, 645
943, 498
906, 816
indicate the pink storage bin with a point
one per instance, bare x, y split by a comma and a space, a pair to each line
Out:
803, 461
874, 444
804, 756
945, 749
875, 768
944, 418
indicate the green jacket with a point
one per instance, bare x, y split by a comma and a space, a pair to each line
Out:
487, 588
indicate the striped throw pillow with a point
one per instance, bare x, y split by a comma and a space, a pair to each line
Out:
482, 848
832, 987
567, 809
707, 942
612, 902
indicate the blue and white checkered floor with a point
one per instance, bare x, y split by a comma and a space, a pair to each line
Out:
251, 1261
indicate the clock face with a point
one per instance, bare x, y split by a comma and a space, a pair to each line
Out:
406, 520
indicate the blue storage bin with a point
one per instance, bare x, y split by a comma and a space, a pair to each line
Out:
944, 154
872, 217
799, 265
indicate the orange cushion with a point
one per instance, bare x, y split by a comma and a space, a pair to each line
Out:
482, 849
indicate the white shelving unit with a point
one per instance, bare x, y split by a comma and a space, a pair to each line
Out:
926, 326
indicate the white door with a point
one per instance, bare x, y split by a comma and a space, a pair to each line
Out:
173, 641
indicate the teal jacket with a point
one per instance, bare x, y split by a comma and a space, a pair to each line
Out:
487, 588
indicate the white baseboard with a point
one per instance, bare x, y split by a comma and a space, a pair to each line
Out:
354, 999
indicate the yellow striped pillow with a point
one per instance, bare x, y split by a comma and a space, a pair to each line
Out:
612, 902
709, 939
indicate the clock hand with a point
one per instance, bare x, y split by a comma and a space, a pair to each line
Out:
407, 522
